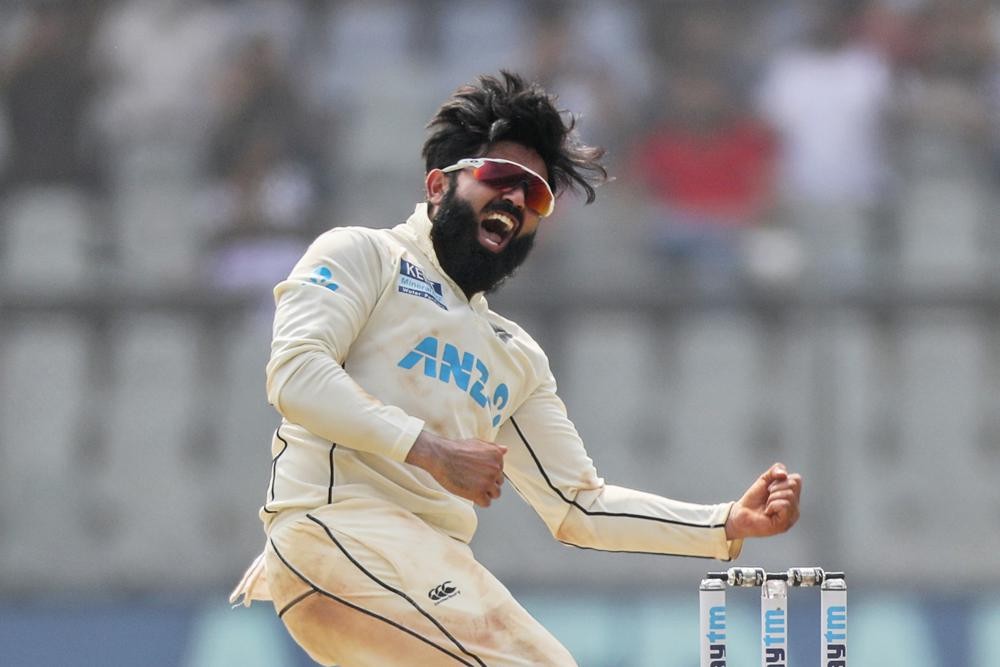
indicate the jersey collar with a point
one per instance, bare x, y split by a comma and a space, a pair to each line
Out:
418, 228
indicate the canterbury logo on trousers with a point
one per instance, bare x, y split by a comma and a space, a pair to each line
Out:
442, 592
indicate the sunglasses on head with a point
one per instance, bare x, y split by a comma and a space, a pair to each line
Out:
505, 175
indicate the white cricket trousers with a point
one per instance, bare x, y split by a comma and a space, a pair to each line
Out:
364, 583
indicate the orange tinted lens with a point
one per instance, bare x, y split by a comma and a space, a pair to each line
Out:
505, 176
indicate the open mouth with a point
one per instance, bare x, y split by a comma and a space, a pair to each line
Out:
496, 230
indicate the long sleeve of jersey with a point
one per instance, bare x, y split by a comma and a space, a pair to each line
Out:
549, 467
320, 311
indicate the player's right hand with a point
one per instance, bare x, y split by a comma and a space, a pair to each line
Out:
472, 468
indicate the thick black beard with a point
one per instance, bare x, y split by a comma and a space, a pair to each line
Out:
474, 268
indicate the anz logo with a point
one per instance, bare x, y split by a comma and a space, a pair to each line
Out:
468, 373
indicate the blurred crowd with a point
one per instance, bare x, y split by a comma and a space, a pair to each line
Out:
823, 173
756, 140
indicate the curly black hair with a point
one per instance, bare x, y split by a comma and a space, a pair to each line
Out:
508, 108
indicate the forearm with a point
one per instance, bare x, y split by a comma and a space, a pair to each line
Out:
314, 391
619, 519
550, 468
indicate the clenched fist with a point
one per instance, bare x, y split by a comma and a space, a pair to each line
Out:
472, 469
769, 507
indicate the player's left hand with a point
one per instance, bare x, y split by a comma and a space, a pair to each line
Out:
769, 507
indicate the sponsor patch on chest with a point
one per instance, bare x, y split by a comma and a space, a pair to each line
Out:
414, 282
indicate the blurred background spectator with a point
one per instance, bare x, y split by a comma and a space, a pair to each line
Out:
946, 123
594, 54
160, 56
265, 177
827, 95
48, 85
708, 167
797, 260
54, 169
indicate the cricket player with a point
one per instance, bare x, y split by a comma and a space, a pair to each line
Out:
405, 401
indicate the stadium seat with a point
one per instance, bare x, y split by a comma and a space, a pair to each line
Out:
605, 356
719, 362
942, 225
161, 237
46, 236
835, 239
244, 424
894, 428
155, 452
44, 410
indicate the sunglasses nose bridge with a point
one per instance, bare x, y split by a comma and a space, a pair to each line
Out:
516, 192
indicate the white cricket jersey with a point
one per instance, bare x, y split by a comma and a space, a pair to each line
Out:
373, 342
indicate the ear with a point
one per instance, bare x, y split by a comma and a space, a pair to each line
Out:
436, 183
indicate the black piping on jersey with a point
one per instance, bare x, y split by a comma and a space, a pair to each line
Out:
329, 489
274, 468
362, 610
398, 592
614, 551
648, 553
572, 502
298, 599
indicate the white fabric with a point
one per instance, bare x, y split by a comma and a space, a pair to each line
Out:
365, 583
373, 342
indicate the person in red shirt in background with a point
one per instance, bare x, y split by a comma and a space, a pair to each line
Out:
708, 170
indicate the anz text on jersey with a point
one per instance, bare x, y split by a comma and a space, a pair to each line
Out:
447, 364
